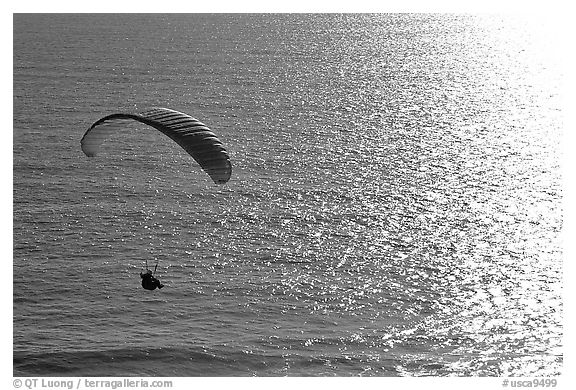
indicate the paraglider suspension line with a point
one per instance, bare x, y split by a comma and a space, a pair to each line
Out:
155, 267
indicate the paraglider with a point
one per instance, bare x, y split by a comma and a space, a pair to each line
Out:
149, 280
191, 134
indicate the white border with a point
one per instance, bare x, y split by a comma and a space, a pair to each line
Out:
556, 9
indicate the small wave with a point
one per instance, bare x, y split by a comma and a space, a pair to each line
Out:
191, 362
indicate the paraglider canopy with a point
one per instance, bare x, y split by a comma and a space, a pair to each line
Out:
191, 134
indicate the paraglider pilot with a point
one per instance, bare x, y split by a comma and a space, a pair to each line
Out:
149, 282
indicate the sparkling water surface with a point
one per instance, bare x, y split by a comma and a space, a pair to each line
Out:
394, 209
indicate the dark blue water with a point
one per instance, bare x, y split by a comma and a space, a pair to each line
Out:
394, 209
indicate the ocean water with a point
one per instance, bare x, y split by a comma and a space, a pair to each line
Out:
394, 208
